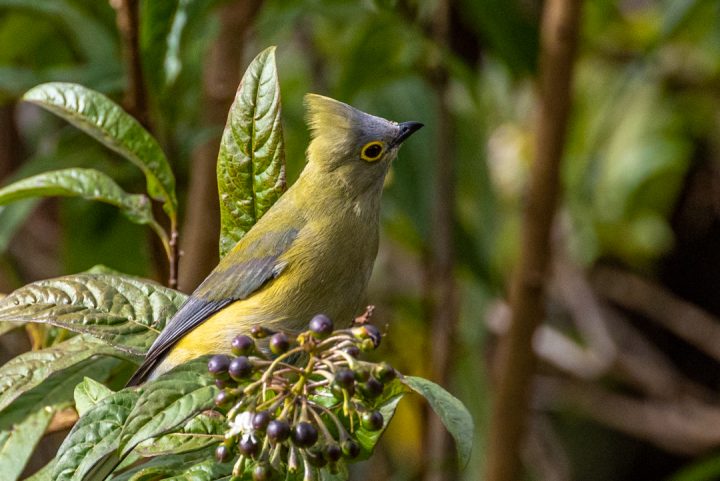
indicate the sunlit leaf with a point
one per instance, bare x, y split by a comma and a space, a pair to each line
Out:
107, 122
93, 441
88, 394
194, 466
124, 311
32, 368
453, 414
201, 431
167, 402
18, 442
251, 163
89, 184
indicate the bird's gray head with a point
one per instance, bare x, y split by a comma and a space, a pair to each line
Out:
355, 146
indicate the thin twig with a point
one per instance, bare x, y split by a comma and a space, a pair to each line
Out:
516, 360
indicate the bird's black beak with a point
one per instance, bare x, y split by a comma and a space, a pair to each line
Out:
406, 130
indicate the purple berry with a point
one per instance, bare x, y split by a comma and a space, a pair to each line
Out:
240, 368
321, 326
304, 434
278, 430
261, 420
242, 345
218, 365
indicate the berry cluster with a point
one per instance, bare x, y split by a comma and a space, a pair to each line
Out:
296, 403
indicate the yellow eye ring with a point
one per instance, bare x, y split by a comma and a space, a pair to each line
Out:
372, 151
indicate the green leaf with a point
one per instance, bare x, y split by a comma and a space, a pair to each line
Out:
88, 394
125, 312
30, 369
6, 327
201, 431
89, 184
453, 414
92, 443
251, 162
194, 466
18, 443
169, 401
56, 387
12, 217
106, 121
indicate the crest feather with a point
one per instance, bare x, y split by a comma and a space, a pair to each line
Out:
324, 113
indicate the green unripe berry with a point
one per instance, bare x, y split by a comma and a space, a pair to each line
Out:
372, 421
384, 372
279, 343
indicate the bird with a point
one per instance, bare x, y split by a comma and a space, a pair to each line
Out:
312, 252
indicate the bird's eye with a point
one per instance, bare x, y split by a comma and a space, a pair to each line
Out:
372, 151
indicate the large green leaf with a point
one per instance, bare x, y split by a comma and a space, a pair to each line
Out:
453, 414
201, 431
18, 442
194, 466
167, 402
56, 387
32, 368
251, 163
107, 122
92, 443
124, 311
88, 394
87, 183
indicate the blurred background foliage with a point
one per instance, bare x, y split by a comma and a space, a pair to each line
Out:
640, 174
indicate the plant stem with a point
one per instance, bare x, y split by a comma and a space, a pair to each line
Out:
516, 359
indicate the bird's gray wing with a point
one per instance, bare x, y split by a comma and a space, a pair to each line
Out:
243, 271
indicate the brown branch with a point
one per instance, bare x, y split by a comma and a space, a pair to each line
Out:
440, 287
516, 360
685, 320
220, 81
684, 426
127, 18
